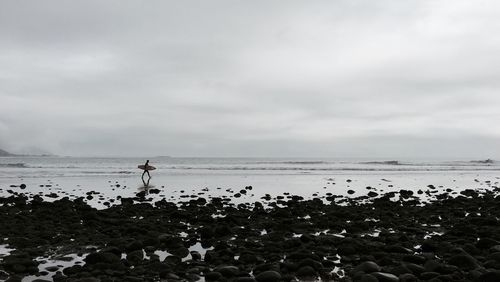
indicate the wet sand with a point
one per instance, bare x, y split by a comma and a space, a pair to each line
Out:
393, 236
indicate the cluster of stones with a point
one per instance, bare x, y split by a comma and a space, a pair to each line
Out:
393, 237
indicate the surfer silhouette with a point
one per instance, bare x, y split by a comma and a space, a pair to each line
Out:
146, 170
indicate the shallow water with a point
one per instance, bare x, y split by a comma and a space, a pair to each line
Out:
178, 178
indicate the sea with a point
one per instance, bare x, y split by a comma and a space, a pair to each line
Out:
180, 179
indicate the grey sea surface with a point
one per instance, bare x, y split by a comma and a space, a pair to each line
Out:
183, 178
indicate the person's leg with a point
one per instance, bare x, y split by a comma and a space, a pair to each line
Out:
149, 175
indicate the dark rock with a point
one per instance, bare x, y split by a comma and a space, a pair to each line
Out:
306, 272
213, 276
463, 261
181, 252
228, 270
134, 246
196, 256
310, 262
486, 243
72, 270
111, 249
268, 276
429, 275
53, 268
101, 257
432, 266
367, 278
407, 277
135, 257
88, 279
417, 259
398, 249
415, 268
244, 279
367, 267
494, 256
385, 277
491, 276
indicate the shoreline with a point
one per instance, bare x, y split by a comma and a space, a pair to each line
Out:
391, 237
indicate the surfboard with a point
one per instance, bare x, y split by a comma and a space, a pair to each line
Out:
143, 167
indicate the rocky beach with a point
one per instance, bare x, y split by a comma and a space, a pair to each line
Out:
391, 236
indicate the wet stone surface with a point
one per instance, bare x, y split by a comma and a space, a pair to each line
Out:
383, 237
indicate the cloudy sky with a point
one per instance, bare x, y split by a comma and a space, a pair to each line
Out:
338, 78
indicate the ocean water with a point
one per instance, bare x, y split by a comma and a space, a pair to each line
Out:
177, 178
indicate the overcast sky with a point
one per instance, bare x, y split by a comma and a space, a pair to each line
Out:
337, 78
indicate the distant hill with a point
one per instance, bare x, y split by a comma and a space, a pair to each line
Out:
4, 153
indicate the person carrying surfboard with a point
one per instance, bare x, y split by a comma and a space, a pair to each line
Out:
146, 169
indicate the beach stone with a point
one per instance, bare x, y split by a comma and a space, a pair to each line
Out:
446, 268
493, 264
367, 267
133, 246
248, 258
196, 256
346, 249
463, 261
385, 277
181, 252
213, 276
414, 258
88, 279
432, 266
3, 275
170, 240
244, 279
494, 256
101, 257
18, 268
52, 268
367, 278
135, 257
407, 277
68, 271
306, 271
429, 275
228, 270
127, 201
491, 276
14, 278
110, 249
415, 268
268, 276
486, 243
372, 194
398, 249
22, 186
350, 192
495, 249
312, 263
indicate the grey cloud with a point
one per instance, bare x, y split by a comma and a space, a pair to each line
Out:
234, 78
